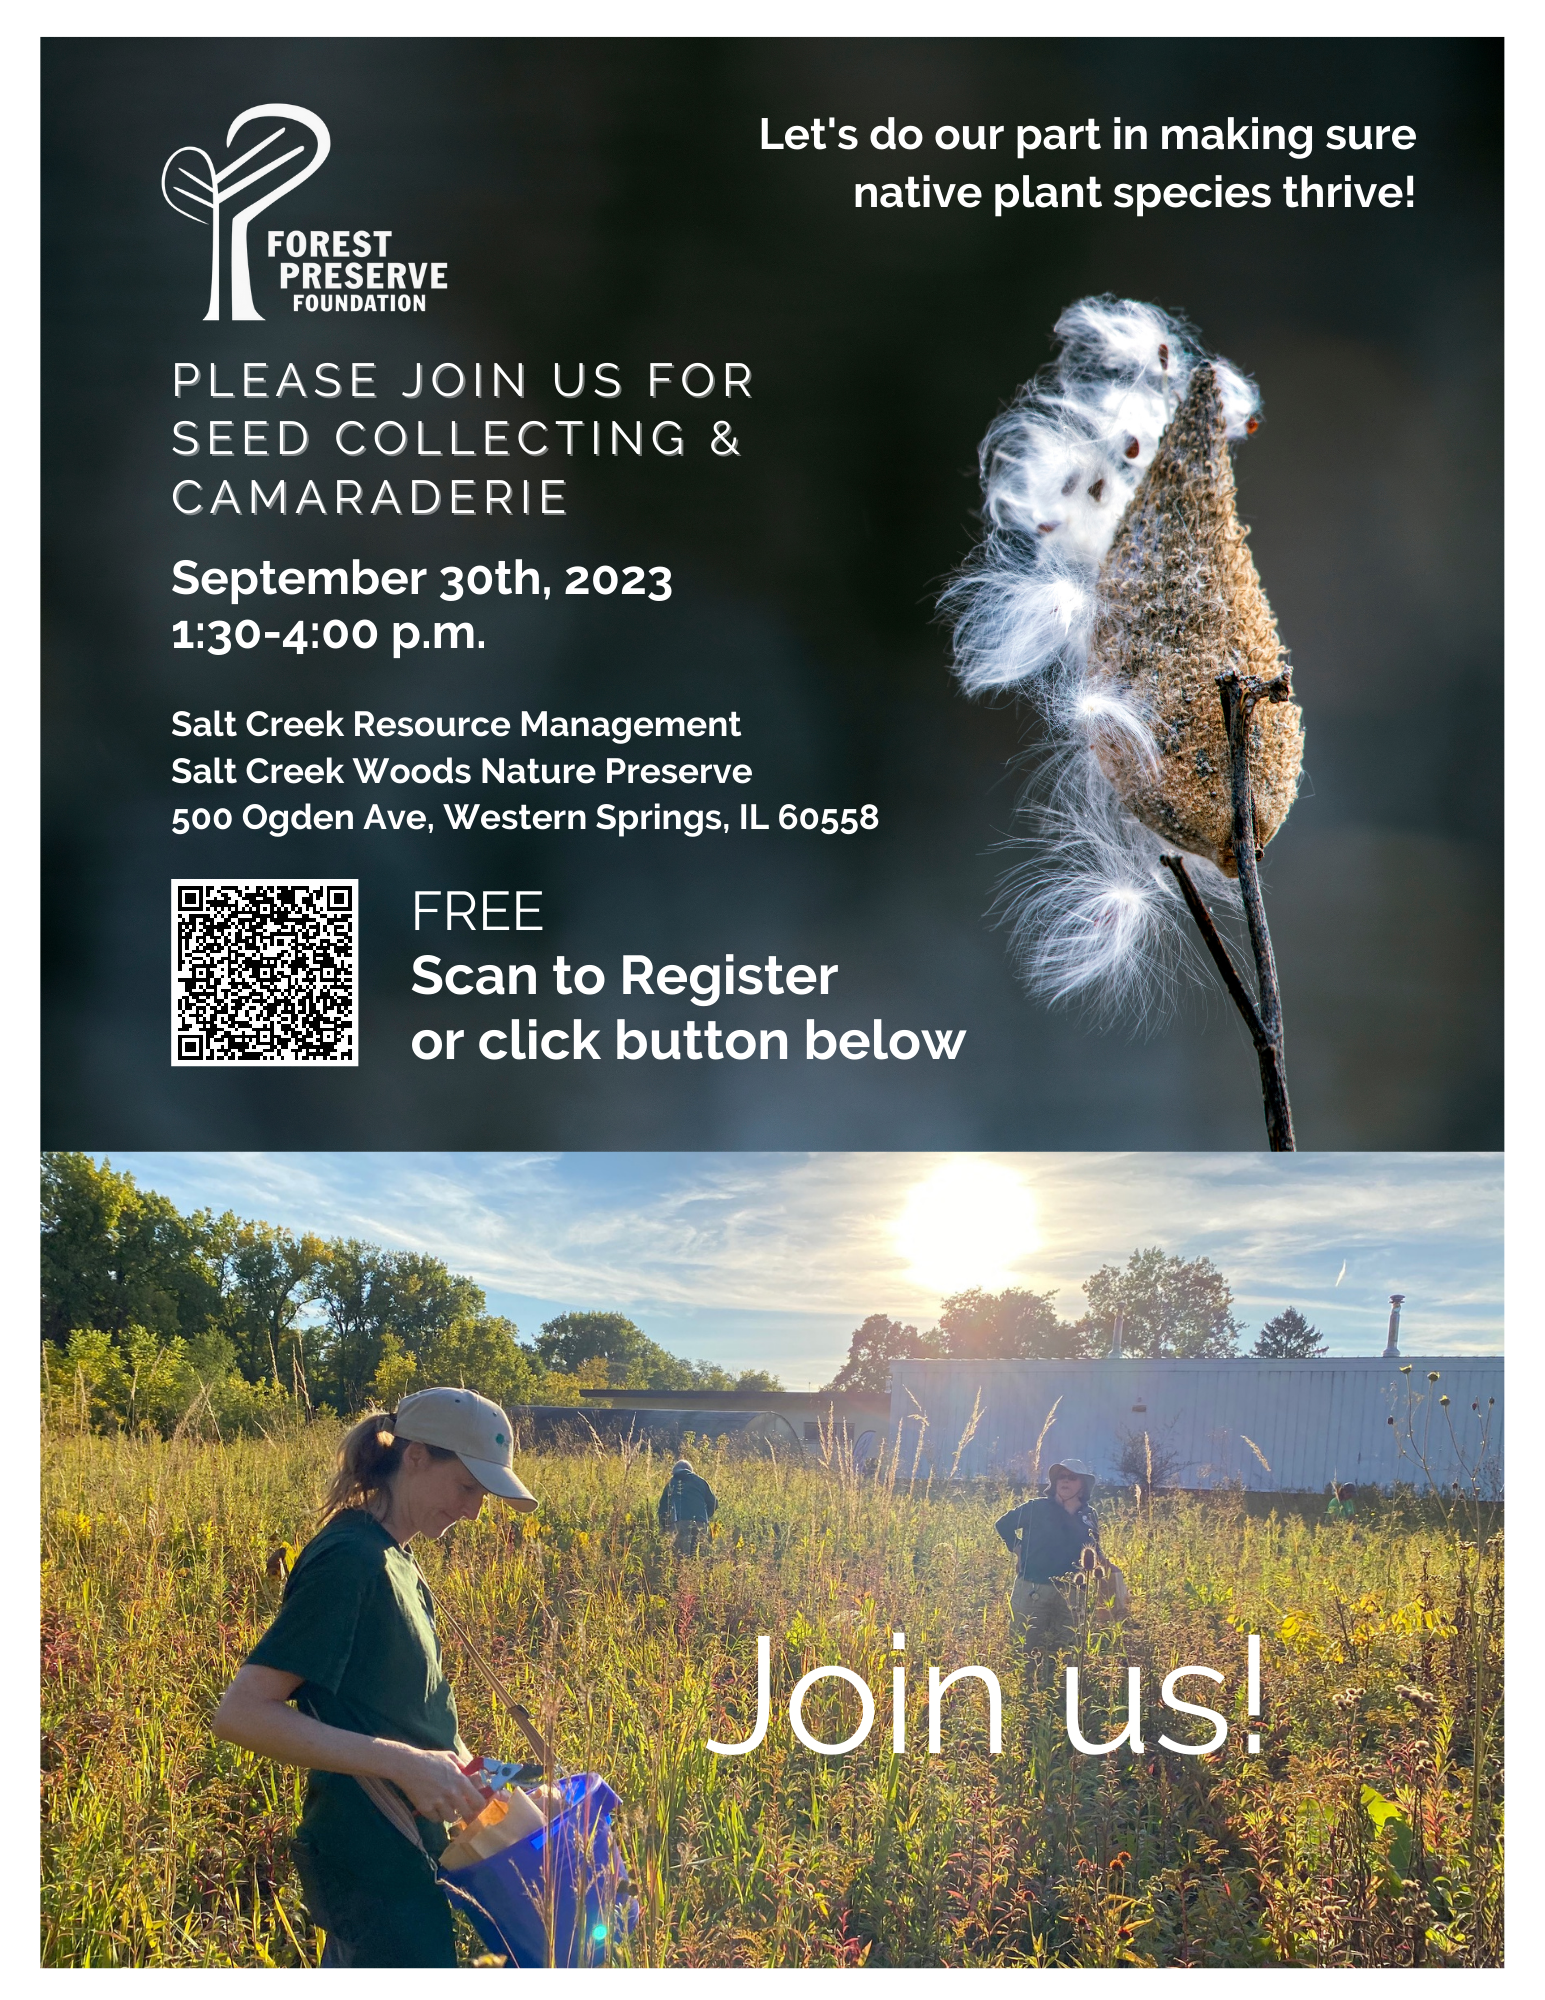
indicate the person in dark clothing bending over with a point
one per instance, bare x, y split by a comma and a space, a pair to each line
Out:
687, 1504
1054, 1539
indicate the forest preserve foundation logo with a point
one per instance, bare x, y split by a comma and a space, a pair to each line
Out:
321, 270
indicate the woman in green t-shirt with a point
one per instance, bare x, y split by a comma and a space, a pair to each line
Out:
1343, 1503
354, 1649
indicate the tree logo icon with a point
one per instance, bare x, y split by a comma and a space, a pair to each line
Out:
195, 187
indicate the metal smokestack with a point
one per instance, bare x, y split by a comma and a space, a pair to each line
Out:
1392, 1350
1115, 1339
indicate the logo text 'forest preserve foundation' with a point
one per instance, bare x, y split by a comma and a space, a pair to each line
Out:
324, 270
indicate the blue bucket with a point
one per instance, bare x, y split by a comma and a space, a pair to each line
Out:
565, 1874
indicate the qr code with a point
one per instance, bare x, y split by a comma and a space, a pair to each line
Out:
264, 972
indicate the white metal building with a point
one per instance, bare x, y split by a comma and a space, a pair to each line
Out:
1272, 1426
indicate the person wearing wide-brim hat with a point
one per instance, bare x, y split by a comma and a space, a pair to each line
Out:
354, 1648
1056, 1541
1343, 1503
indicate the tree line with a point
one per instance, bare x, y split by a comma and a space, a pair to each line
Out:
1169, 1308
147, 1313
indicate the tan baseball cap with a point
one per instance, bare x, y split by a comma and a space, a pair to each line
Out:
477, 1430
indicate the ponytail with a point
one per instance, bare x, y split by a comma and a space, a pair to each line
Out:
368, 1461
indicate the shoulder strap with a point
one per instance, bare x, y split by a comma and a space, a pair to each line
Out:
383, 1795
521, 1713
389, 1801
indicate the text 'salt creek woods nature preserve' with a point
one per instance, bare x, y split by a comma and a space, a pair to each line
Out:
771, 1180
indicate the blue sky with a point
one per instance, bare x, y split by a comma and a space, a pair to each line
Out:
772, 1259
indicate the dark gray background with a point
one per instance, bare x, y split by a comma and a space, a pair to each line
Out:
609, 201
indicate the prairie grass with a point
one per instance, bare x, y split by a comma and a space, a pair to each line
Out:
1366, 1832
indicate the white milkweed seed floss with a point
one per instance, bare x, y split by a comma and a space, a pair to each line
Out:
1114, 585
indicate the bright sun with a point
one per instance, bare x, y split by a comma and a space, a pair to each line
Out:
968, 1224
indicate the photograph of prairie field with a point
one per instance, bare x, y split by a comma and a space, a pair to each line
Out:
1262, 1396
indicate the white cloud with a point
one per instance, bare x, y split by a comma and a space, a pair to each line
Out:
814, 1236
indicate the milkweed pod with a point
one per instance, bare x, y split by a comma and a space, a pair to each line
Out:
1177, 603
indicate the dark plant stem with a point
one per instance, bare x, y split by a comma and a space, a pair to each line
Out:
1239, 694
1238, 992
